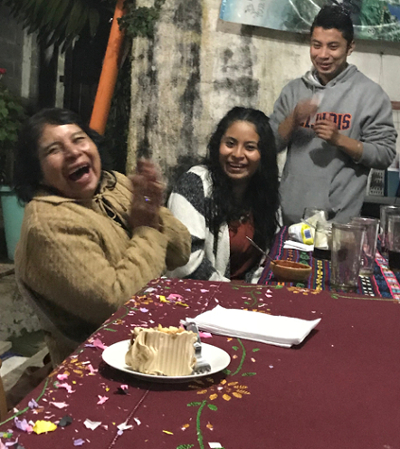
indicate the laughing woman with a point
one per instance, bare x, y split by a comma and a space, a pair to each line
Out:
90, 238
231, 196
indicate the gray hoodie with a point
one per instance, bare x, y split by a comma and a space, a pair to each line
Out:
317, 174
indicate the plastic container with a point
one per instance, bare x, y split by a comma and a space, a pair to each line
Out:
13, 214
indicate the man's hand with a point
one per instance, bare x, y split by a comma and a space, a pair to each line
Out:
303, 110
327, 130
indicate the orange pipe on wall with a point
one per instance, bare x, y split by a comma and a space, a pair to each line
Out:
109, 73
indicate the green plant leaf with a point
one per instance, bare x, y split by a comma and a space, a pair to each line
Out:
212, 407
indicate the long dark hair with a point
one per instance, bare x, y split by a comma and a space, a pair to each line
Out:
27, 170
261, 196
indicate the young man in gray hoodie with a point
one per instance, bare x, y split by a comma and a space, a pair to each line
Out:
336, 124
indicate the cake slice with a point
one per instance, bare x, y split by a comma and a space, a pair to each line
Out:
162, 351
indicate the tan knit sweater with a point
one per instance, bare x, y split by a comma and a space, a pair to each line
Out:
80, 265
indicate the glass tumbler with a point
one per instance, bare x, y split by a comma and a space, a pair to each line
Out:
369, 245
347, 241
385, 211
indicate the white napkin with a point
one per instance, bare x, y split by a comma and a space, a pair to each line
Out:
291, 244
275, 330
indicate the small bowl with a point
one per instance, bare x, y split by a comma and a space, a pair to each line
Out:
286, 270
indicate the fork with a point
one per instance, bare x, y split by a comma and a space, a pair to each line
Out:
201, 366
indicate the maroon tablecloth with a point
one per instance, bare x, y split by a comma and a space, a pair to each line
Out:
339, 389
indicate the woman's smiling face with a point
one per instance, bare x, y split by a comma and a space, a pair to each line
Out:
69, 160
238, 151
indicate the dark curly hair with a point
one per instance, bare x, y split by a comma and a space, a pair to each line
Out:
261, 197
335, 16
27, 170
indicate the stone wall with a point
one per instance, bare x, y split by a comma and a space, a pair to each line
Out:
197, 67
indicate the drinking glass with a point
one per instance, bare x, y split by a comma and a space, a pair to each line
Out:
385, 211
347, 241
369, 245
312, 211
323, 240
394, 242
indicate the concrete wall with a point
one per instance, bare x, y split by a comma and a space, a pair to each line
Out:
198, 67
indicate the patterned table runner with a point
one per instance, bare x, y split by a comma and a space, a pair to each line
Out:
383, 283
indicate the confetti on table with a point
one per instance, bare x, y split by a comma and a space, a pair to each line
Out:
66, 386
205, 335
59, 404
6, 434
124, 426
167, 432
162, 298
174, 297
44, 426
79, 442
91, 424
178, 303
98, 344
215, 445
102, 399
33, 404
62, 376
91, 369
15, 445
22, 425
65, 421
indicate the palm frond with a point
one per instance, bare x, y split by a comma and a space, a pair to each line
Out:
60, 21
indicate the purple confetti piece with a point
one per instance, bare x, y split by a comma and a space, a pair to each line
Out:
22, 425
33, 404
142, 309
79, 442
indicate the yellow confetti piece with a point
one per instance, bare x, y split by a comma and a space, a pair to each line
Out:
209, 426
213, 396
178, 303
44, 426
202, 392
226, 397
185, 426
74, 382
162, 299
108, 389
167, 432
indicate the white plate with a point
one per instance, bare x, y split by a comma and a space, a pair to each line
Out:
114, 356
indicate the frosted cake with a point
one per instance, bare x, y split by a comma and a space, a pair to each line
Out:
162, 351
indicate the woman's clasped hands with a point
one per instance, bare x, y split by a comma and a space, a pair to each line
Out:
148, 195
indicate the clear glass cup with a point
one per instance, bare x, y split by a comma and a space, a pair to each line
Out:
369, 246
385, 211
393, 245
323, 240
347, 241
312, 211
